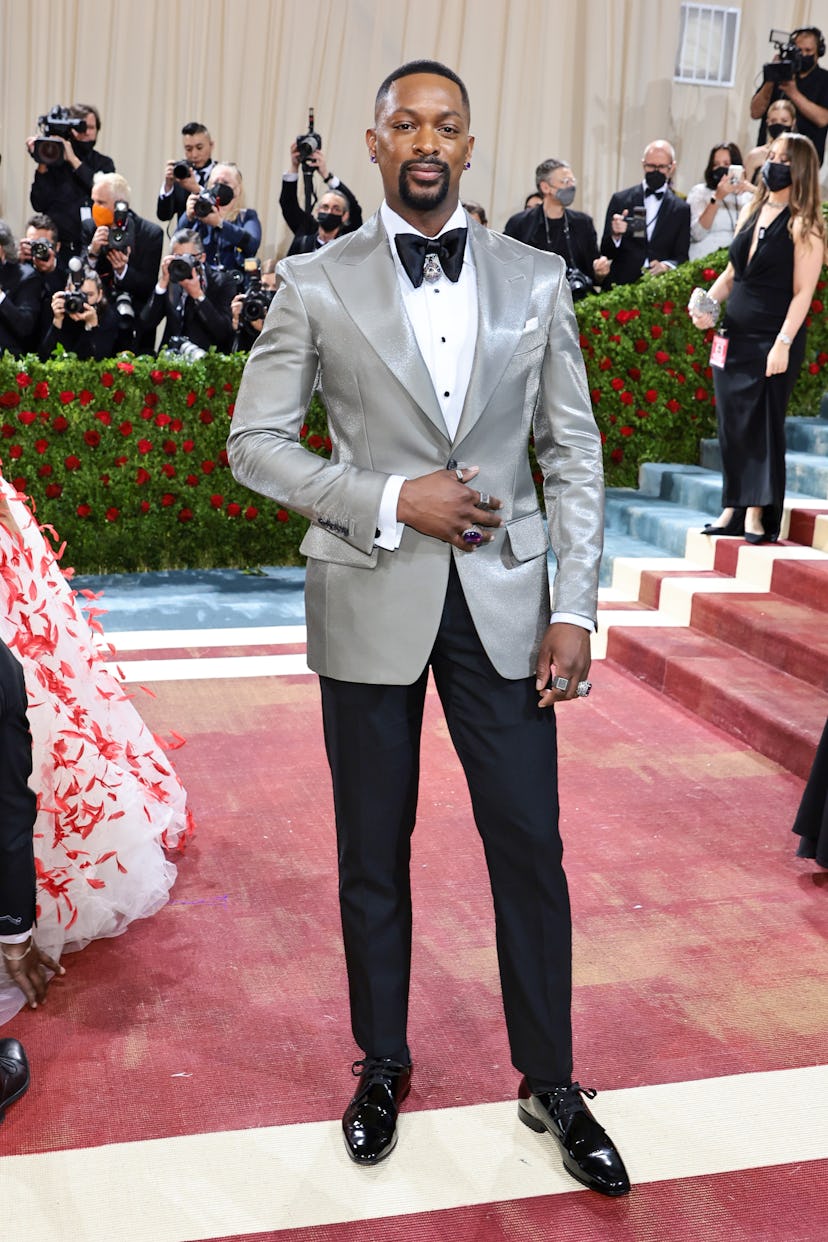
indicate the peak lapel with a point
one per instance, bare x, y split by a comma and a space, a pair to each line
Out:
365, 279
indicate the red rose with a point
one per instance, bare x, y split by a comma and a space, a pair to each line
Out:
641, 346
104, 416
668, 308
689, 348
142, 476
709, 273
614, 339
613, 419
144, 446
251, 512
813, 367
83, 511
167, 499
228, 387
634, 373
627, 398
107, 379
92, 437
642, 414
9, 400
118, 396
701, 394
191, 398
231, 407
174, 375
105, 480
185, 515
27, 417
168, 469
822, 359
53, 490
125, 429
616, 383
19, 484
144, 506
84, 396
126, 367
146, 413
216, 500
59, 423
72, 462
188, 446
157, 377
233, 510
605, 364
206, 417
623, 316
66, 397
626, 431
595, 394
210, 392
44, 471
656, 332
617, 455
162, 419
605, 314
222, 458
673, 406
651, 395
170, 446
41, 446
192, 480
121, 461
316, 441
661, 357
303, 431
41, 390
23, 379
112, 514
16, 452
208, 466
176, 424
7, 431
583, 341
282, 515
603, 438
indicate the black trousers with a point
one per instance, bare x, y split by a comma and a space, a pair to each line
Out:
18, 805
507, 747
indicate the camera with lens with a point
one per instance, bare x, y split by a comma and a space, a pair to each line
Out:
182, 170
637, 222
209, 200
183, 347
41, 249
311, 142
183, 267
75, 300
57, 124
121, 230
257, 299
579, 283
790, 59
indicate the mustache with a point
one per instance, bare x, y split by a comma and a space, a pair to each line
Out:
407, 165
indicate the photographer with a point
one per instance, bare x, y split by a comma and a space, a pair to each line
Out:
19, 297
553, 226
337, 201
647, 227
62, 189
249, 308
193, 299
807, 89
83, 322
41, 249
230, 231
188, 176
125, 251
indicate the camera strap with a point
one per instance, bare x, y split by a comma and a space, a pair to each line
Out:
570, 260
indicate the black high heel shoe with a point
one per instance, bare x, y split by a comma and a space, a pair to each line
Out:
736, 526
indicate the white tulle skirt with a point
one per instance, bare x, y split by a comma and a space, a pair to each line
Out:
109, 803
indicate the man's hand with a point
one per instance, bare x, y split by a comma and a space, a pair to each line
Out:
27, 967
119, 260
318, 161
564, 652
294, 157
88, 316
619, 223
236, 310
657, 268
192, 286
601, 267
69, 151
58, 311
100, 240
439, 505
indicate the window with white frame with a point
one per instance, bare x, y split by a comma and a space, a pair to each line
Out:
708, 38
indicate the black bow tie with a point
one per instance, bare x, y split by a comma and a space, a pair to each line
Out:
656, 193
448, 248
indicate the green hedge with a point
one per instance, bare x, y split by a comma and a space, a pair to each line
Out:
126, 459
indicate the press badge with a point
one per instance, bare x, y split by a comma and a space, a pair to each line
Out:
718, 350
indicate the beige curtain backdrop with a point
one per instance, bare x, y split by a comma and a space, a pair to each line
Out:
588, 80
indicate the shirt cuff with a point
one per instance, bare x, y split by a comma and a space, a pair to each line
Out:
333, 182
119, 276
160, 290
390, 531
16, 937
291, 176
572, 618
162, 193
616, 241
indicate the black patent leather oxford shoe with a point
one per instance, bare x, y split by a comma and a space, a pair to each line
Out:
370, 1120
589, 1154
14, 1073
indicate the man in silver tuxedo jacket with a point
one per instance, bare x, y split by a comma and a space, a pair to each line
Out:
439, 348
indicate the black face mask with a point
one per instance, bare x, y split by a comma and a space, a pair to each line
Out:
655, 180
81, 149
329, 220
717, 175
776, 129
806, 63
776, 176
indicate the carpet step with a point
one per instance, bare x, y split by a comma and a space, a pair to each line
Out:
782, 634
806, 582
778, 715
807, 435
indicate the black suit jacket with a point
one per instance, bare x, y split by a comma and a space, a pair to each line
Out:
20, 308
141, 274
300, 222
204, 323
528, 226
670, 241
62, 190
18, 805
171, 206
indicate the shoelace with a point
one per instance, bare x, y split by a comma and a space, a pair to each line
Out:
374, 1071
562, 1099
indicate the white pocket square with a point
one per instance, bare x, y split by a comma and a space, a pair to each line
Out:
530, 325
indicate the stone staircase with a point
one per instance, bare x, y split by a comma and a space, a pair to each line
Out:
737, 634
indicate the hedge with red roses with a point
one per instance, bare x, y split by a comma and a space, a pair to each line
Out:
127, 460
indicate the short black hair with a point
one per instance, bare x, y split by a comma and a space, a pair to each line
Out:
194, 127
422, 66
41, 221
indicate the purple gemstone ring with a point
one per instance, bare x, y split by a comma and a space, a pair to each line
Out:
472, 536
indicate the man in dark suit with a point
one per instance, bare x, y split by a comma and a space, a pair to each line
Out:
337, 211
198, 154
437, 342
127, 265
19, 297
195, 306
62, 190
657, 237
553, 225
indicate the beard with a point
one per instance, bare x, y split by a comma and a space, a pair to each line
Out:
424, 198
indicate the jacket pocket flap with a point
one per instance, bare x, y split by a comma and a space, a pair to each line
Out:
321, 545
527, 536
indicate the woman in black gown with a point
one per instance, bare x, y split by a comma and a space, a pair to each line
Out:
775, 260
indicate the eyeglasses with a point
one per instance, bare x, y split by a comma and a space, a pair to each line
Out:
663, 168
